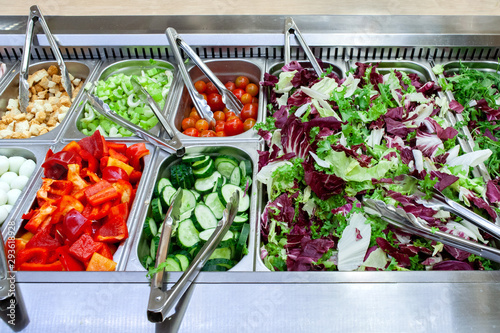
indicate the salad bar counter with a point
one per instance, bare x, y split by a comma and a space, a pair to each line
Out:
364, 187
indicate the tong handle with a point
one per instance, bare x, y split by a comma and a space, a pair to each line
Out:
291, 27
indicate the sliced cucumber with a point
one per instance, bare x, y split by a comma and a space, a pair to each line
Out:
160, 185
241, 218
214, 268
154, 246
227, 191
188, 202
204, 216
205, 235
196, 195
227, 263
187, 234
221, 253
213, 202
201, 163
150, 229
193, 158
242, 241
184, 258
225, 158
206, 171
235, 177
246, 168
206, 185
157, 210
226, 168
172, 264
167, 195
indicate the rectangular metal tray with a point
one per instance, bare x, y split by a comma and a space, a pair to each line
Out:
161, 168
129, 67
121, 253
35, 152
224, 69
82, 69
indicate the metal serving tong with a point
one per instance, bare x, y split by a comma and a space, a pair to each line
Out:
291, 28
172, 146
161, 302
409, 223
228, 98
36, 15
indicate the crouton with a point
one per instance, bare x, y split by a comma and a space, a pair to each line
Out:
56, 78
37, 76
52, 70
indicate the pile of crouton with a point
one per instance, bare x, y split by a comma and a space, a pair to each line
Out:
48, 105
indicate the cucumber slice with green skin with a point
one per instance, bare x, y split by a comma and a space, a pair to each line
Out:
213, 268
201, 163
187, 234
193, 250
157, 210
150, 229
221, 253
221, 181
213, 202
225, 158
226, 169
221, 262
196, 195
160, 185
188, 202
227, 191
186, 215
183, 260
204, 216
193, 158
206, 185
205, 235
167, 195
206, 171
242, 241
241, 218
154, 246
246, 168
172, 264
235, 177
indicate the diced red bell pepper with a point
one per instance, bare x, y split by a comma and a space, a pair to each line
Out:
74, 224
52, 190
95, 144
125, 190
56, 165
101, 263
100, 192
40, 216
67, 203
114, 173
114, 162
120, 210
113, 153
48, 154
68, 262
114, 230
43, 239
119, 147
36, 255
29, 214
28, 266
106, 251
135, 177
93, 177
135, 153
84, 247
103, 162
27, 236
16, 244
97, 212
73, 146
92, 162
74, 177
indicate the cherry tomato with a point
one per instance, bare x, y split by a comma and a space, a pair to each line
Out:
191, 132
248, 124
211, 89
238, 93
204, 96
255, 100
230, 114
233, 126
241, 82
246, 98
220, 133
200, 86
249, 111
219, 115
194, 114
232, 117
215, 102
219, 126
201, 125
252, 89
226, 110
207, 134
230, 85
188, 123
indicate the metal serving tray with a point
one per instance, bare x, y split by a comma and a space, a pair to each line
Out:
128, 67
28, 202
224, 69
80, 69
161, 168
35, 152
10, 69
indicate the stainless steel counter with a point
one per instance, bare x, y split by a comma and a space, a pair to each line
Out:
266, 301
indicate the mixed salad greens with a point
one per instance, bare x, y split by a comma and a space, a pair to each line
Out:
331, 141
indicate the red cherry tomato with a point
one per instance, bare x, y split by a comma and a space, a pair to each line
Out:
241, 82
201, 125
246, 98
215, 102
114, 173
220, 133
219, 115
252, 89
188, 123
191, 132
255, 100
207, 134
233, 126
230, 114
248, 124
200, 86
194, 114
249, 111
219, 126
211, 89
230, 85
238, 93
